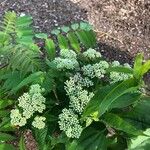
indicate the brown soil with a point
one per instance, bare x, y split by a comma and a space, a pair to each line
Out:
122, 26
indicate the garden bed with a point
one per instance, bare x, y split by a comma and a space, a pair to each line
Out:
127, 23
118, 40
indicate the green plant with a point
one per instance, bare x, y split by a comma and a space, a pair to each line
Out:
70, 99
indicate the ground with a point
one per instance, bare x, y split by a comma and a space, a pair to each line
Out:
122, 26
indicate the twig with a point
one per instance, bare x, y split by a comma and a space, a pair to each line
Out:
54, 91
107, 34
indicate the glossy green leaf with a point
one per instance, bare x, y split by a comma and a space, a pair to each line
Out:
5, 103
119, 123
124, 87
55, 31
50, 48
40, 137
24, 21
120, 69
75, 26
63, 42
140, 142
139, 116
85, 26
7, 147
138, 66
22, 143
65, 29
146, 67
30, 79
41, 36
92, 139
125, 100
83, 38
6, 137
74, 41
4, 113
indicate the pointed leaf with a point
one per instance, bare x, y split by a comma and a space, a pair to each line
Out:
63, 43
74, 41
22, 143
118, 123
7, 147
138, 66
92, 139
50, 48
124, 87
6, 137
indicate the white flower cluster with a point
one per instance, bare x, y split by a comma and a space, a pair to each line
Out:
85, 82
17, 119
39, 122
96, 70
65, 53
69, 123
29, 103
67, 60
77, 95
119, 76
79, 98
91, 54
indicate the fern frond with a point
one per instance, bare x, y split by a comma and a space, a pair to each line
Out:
9, 21
25, 59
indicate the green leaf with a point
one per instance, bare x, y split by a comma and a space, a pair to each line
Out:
86, 38
141, 142
92, 38
120, 124
85, 26
7, 147
75, 26
5, 103
12, 79
100, 94
22, 143
120, 69
145, 67
74, 41
138, 66
40, 137
124, 87
125, 100
139, 116
24, 21
6, 137
63, 43
92, 139
106, 96
65, 29
30, 79
55, 31
4, 113
41, 36
5, 125
72, 145
50, 48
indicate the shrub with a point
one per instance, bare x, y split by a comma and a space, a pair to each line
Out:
67, 94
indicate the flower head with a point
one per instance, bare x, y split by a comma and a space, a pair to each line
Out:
91, 54
38, 122
69, 123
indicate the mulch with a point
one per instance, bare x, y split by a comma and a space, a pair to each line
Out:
122, 26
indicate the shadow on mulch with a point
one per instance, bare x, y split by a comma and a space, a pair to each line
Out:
111, 53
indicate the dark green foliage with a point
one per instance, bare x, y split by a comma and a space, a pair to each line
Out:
77, 35
116, 114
